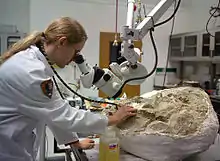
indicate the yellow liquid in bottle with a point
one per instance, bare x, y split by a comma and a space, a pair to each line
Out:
102, 150
109, 146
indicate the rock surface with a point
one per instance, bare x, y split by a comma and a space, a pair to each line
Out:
177, 111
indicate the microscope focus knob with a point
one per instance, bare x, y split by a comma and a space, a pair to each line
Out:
115, 85
106, 77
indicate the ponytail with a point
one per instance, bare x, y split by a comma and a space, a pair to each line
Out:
64, 26
22, 44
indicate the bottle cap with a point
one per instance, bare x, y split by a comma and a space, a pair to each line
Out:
110, 132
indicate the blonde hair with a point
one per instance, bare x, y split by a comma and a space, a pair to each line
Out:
64, 26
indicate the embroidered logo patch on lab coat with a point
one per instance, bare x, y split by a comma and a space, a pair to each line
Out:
47, 88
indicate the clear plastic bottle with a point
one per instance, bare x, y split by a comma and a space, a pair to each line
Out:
109, 149
218, 87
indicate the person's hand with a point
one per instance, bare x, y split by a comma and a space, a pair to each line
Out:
84, 144
122, 114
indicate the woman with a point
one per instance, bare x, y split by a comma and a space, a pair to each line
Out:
28, 96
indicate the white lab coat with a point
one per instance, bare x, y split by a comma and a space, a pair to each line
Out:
23, 105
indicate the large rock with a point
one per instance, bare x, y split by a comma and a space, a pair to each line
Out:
170, 124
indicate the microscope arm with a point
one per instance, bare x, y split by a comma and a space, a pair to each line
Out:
130, 34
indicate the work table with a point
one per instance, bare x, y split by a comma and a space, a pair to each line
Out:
215, 98
212, 154
216, 104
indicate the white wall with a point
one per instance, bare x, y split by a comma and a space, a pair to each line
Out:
199, 14
15, 13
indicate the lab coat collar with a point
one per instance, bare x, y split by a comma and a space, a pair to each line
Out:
42, 58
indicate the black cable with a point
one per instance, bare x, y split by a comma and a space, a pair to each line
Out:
41, 48
174, 13
217, 9
55, 82
169, 48
212, 15
155, 65
79, 95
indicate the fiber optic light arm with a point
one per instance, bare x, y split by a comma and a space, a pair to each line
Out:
132, 68
143, 28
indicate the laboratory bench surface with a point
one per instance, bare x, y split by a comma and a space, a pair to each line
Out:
216, 105
212, 154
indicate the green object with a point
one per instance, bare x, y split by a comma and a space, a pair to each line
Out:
159, 70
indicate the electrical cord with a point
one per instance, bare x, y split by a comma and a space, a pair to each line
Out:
79, 95
217, 10
212, 15
155, 64
55, 82
41, 48
174, 13
169, 48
